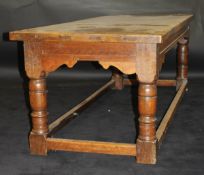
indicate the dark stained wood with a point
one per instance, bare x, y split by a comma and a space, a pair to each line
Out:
57, 53
182, 61
117, 76
146, 141
91, 146
37, 143
38, 102
41, 55
161, 131
55, 125
166, 82
159, 82
129, 43
183, 58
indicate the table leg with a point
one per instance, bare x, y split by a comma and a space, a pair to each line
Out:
38, 102
182, 61
118, 78
146, 141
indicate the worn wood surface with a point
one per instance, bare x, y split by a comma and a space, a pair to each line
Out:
38, 102
91, 146
126, 42
120, 28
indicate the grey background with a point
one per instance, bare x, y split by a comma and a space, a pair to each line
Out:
19, 14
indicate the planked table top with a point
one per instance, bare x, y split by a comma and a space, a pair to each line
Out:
120, 28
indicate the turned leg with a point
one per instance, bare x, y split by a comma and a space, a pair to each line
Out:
146, 141
182, 61
38, 102
118, 78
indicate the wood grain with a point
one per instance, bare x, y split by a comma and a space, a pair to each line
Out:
91, 146
182, 61
146, 141
38, 102
120, 28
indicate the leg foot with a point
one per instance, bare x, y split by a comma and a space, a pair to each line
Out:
38, 144
146, 152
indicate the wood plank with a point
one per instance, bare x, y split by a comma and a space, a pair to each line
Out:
72, 113
166, 83
128, 82
91, 146
119, 28
170, 112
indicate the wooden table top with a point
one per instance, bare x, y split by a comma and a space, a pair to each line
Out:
120, 28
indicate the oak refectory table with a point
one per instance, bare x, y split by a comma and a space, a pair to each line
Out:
132, 45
